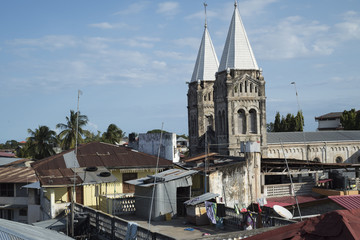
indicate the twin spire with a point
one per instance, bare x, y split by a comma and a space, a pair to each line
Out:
237, 53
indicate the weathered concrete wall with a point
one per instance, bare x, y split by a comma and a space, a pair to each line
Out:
326, 152
149, 143
238, 183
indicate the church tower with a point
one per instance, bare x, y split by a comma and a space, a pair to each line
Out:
239, 94
201, 118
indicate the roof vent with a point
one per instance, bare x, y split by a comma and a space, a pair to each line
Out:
105, 174
91, 169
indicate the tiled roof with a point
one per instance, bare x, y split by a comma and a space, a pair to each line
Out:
348, 202
321, 136
101, 154
237, 53
206, 62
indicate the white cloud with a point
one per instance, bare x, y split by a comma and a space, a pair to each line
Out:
106, 25
174, 55
50, 42
254, 7
295, 37
133, 8
188, 42
168, 8
159, 64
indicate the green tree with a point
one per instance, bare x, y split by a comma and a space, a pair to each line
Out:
113, 134
277, 123
350, 120
299, 122
92, 137
290, 123
157, 131
68, 134
41, 142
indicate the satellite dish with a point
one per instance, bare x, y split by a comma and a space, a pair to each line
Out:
283, 212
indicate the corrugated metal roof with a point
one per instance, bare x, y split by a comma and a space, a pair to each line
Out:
21, 231
348, 202
103, 154
166, 176
321, 136
329, 115
7, 160
207, 62
57, 177
93, 177
237, 52
201, 198
17, 175
290, 200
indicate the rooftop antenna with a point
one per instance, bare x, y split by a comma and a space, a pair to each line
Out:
156, 171
205, 5
301, 120
76, 143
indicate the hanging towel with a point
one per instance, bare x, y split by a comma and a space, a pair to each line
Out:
210, 211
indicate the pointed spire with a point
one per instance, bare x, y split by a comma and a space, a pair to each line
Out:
207, 62
237, 52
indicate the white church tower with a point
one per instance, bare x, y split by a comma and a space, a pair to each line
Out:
239, 94
201, 119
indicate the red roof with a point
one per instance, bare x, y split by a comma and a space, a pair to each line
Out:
348, 202
289, 200
340, 224
7, 154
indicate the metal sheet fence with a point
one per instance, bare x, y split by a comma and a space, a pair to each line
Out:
112, 227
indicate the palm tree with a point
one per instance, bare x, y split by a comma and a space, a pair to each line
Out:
113, 134
41, 142
68, 135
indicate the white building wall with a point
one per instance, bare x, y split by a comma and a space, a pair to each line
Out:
329, 124
149, 143
325, 152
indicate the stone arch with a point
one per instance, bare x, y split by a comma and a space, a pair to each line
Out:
339, 159
241, 116
316, 159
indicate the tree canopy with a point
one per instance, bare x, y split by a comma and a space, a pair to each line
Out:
41, 142
68, 135
113, 134
290, 123
350, 120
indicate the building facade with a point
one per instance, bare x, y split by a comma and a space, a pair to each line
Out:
229, 103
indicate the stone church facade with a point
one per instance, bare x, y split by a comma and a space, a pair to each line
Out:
227, 108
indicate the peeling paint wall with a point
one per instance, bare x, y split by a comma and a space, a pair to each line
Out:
238, 183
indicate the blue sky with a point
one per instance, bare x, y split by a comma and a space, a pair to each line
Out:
131, 59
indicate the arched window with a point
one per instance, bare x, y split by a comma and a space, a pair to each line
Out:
209, 96
209, 122
223, 122
338, 159
252, 123
251, 87
241, 122
316, 159
245, 86
240, 87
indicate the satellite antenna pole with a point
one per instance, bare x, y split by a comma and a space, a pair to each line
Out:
74, 191
291, 181
301, 121
156, 171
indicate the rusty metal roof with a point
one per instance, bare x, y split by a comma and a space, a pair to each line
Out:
17, 175
101, 154
348, 201
57, 177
